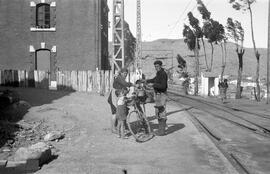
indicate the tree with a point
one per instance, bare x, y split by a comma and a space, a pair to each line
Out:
191, 36
130, 45
221, 39
245, 5
214, 32
236, 32
182, 64
206, 17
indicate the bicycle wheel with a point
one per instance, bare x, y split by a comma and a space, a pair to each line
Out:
139, 126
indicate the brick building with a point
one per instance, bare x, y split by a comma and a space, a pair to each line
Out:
54, 34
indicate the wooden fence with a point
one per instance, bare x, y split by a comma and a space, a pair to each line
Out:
85, 81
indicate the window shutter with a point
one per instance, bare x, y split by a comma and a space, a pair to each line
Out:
53, 16
41, 16
47, 16
33, 16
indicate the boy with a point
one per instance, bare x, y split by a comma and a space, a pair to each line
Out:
121, 112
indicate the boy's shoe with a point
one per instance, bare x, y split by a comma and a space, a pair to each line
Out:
114, 131
127, 131
125, 137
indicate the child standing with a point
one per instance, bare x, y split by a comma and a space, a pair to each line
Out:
121, 113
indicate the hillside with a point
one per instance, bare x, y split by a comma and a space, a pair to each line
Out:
167, 49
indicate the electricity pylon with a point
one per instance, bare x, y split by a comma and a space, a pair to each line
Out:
118, 35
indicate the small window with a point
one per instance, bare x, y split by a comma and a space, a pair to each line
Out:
43, 15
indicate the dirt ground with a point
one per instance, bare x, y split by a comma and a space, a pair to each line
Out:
90, 147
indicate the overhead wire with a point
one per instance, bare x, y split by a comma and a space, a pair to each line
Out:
196, 6
180, 17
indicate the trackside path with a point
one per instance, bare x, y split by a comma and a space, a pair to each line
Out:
90, 148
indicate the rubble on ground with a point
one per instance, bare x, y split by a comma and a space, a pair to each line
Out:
54, 135
22, 139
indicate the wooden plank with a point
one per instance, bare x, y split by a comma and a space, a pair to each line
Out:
64, 81
19, 77
66, 73
107, 81
31, 80
98, 85
57, 78
43, 79
10, 77
84, 81
102, 82
26, 79
94, 75
60, 78
36, 80
22, 79
111, 79
16, 78
89, 81
1, 77
5, 77
74, 80
79, 75
67, 76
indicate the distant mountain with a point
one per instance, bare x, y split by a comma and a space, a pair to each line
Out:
167, 49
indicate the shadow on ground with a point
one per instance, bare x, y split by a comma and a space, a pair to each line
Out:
168, 114
172, 127
15, 110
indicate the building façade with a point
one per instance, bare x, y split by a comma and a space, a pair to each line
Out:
54, 35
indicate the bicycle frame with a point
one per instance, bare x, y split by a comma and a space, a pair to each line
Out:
140, 115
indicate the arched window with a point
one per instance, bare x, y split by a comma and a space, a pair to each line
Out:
43, 15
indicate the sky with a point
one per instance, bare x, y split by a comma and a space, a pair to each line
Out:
165, 18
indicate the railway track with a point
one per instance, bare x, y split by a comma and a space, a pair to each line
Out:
214, 118
258, 123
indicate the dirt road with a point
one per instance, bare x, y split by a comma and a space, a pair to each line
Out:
89, 146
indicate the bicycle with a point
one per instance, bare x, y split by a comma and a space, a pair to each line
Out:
137, 121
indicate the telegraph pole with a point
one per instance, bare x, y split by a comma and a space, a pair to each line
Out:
138, 37
268, 55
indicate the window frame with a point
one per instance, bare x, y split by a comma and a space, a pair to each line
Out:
51, 9
43, 16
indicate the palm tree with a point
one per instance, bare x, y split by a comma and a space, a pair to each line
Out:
236, 32
246, 5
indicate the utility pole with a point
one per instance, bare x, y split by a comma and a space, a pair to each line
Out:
196, 90
268, 55
138, 37
118, 35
